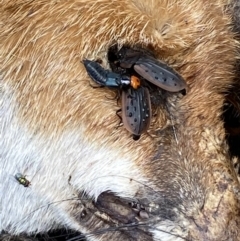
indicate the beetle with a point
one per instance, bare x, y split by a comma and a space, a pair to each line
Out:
136, 106
155, 71
136, 110
108, 78
22, 180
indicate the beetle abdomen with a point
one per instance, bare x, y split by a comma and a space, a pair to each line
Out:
160, 74
136, 110
103, 77
95, 71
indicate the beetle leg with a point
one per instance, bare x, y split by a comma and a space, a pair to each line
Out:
117, 113
120, 117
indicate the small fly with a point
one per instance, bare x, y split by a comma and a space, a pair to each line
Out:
22, 180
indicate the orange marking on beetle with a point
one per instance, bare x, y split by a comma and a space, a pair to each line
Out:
135, 82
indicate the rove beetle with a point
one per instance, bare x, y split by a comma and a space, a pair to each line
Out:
22, 180
108, 78
136, 104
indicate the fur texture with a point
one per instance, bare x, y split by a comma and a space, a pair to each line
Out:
61, 133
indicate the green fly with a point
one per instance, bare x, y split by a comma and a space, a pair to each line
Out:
22, 180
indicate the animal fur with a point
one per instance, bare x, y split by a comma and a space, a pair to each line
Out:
61, 133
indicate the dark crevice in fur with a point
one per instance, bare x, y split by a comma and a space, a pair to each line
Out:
231, 117
231, 109
232, 125
54, 235
231, 113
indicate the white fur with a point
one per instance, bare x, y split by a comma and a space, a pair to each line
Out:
47, 164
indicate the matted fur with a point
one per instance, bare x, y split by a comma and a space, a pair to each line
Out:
62, 133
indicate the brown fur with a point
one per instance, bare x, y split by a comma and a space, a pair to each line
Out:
185, 158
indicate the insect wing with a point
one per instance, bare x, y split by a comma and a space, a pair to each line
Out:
160, 74
136, 110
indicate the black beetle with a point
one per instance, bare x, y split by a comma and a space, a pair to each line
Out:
105, 77
136, 106
155, 71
